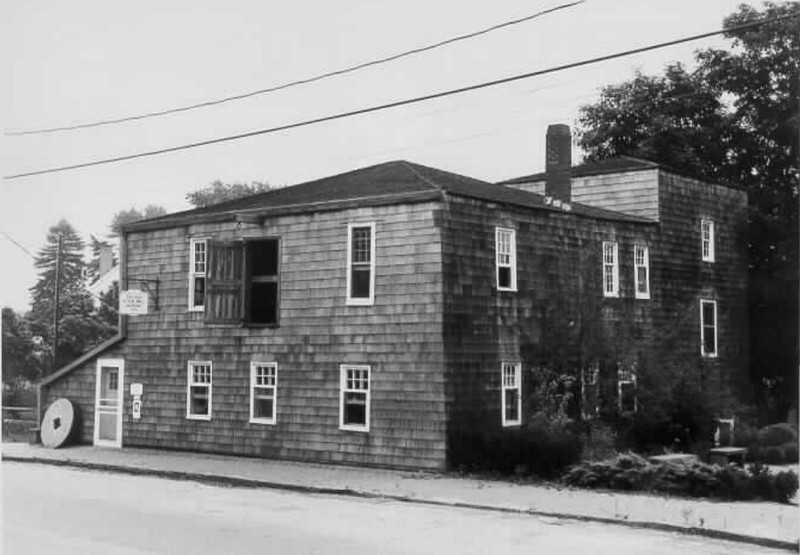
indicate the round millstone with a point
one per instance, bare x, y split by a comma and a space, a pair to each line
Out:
58, 423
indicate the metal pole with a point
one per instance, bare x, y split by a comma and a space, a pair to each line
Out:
55, 304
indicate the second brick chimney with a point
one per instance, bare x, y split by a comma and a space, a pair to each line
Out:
558, 163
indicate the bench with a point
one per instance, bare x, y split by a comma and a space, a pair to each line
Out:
724, 456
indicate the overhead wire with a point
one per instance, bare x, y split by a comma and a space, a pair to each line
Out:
298, 82
404, 102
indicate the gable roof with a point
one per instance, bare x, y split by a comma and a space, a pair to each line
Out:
387, 183
618, 164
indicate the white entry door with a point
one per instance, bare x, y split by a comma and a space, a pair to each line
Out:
108, 402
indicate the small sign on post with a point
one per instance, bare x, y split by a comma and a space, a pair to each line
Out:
133, 302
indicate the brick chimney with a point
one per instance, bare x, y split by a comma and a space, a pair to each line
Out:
558, 163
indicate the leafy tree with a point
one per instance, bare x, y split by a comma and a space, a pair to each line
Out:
734, 119
19, 358
218, 192
133, 215
80, 326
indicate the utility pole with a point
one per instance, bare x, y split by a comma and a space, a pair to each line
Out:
55, 304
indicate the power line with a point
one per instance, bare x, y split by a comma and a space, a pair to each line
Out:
405, 102
307, 80
23, 249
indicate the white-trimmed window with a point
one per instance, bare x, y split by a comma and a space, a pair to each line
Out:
511, 377
708, 328
707, 243
198, 390
610, 269
361, 264
263, 392
641, 271
354, 398
198, 256
626, 388
590, 391
506, 259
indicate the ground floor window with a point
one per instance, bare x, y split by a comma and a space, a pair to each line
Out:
263, 392
198, 393
354, 398
511, 393
590, 384
626, 388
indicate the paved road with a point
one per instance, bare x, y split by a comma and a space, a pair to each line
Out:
62, 511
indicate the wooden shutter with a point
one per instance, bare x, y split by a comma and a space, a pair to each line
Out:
224, 302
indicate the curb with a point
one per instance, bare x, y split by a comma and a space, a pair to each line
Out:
235, 481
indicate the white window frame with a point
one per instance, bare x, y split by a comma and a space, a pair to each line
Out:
707, 240
361, 301
254, 366
613, 268
703, 351
636, 266
190, 383
626, 376
500, 257
194, 273
505, 385
343, 389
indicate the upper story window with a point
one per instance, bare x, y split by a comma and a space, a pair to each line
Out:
263, 392
243, 282
610, 269
506, 259
707, 232
641, 270
354, 389
708, 328
198, 390
197, 273
261, 281
361, 264
511, 376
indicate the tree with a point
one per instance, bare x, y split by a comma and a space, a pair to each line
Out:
734, 119
133, 215
218, 192
19, 358
80, 326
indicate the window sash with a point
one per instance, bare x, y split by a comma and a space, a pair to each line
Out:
361, 263
199, 390
198, 265
707, 233
263, 391
708, 328
354, 398
641, 264
610, 269
506, 259
511, 393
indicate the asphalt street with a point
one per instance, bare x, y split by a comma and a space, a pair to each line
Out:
54, 510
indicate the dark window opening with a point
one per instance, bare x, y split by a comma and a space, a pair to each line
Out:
355, 409
504, 276
262, 263
360, 283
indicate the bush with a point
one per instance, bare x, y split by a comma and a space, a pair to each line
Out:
777, 434
772, 455
542, 448
790, 453
632, 472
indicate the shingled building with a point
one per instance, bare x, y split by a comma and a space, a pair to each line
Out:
383, 315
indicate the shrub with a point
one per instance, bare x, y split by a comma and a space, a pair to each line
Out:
542, 448
777, 434
772, 455
632, 472
790, 453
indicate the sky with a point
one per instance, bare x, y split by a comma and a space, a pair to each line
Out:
65, 63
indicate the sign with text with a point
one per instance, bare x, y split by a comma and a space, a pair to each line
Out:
133, 302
